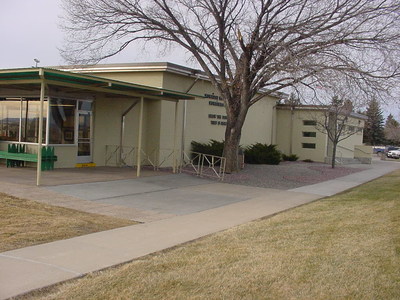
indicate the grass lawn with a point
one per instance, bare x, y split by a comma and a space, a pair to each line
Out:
342, 247
25, 223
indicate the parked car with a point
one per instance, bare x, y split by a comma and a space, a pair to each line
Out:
395, 153
378, 149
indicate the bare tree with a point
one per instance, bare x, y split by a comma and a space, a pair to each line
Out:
248, 48
334, 121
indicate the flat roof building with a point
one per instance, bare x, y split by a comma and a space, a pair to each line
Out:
135, 114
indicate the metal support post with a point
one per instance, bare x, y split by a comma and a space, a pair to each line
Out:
174, 163
40, 133
139, 146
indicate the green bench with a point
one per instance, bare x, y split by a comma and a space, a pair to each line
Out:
16, 156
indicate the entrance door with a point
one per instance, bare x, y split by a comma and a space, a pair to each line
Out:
84, 137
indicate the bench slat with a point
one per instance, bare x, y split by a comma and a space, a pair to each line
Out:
25, 156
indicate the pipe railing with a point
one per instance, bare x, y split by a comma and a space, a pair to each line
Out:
215, 165
199, 164
191, 163
203, 165
339, 159
345, 148
125, 156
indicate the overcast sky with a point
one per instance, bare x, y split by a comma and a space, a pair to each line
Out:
29, 29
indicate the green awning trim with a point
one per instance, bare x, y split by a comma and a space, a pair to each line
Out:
14, 76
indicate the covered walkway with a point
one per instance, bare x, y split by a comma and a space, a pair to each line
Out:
43, 106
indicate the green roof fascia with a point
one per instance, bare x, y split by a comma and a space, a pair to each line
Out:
69, 78
33, 75
88, 80
117, 85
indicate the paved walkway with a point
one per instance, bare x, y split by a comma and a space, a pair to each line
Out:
30, 268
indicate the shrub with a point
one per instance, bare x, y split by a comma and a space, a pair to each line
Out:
212, 148
262, 154
308, 160
291, 157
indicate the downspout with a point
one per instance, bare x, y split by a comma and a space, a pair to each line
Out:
291, 130
184, 119
122, 131
139, 157
174, 163
273, 130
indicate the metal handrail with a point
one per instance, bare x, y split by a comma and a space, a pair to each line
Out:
109, 155
189, 159
348, 149
122, 154
200, 164
203, 165
341, 157
216, 164
345, 148
370, 153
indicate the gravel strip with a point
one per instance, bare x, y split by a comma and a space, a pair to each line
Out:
288, 175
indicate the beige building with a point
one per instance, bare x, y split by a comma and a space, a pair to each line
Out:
202, 119
135, 114
299, 132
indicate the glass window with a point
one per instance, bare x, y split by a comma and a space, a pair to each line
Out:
9, 119
309, 123
62, 121
309, 145
309, 134
85, 105
19, 119
30, 120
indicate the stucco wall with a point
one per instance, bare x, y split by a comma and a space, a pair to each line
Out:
153, 79
283, 130
202, 113
160, 115
290, 128
345, 148
259, 124
107, 125
323, 148
66, 156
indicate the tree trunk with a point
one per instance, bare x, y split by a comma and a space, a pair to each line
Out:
231, 146
334, 145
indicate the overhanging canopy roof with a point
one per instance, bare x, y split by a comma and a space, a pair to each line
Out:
30, 78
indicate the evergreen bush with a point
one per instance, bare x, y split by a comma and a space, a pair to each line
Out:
262, 154
291, 157
212, 148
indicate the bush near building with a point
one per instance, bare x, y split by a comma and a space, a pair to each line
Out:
262, 154
255, 154
290, 157
213, 147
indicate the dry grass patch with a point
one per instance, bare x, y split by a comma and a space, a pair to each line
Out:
342, 247
25, 223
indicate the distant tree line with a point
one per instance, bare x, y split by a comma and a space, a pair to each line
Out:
376, 130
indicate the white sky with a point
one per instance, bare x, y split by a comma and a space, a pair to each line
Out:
29, 29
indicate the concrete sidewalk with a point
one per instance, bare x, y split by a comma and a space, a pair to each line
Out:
30, 268
334, 186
